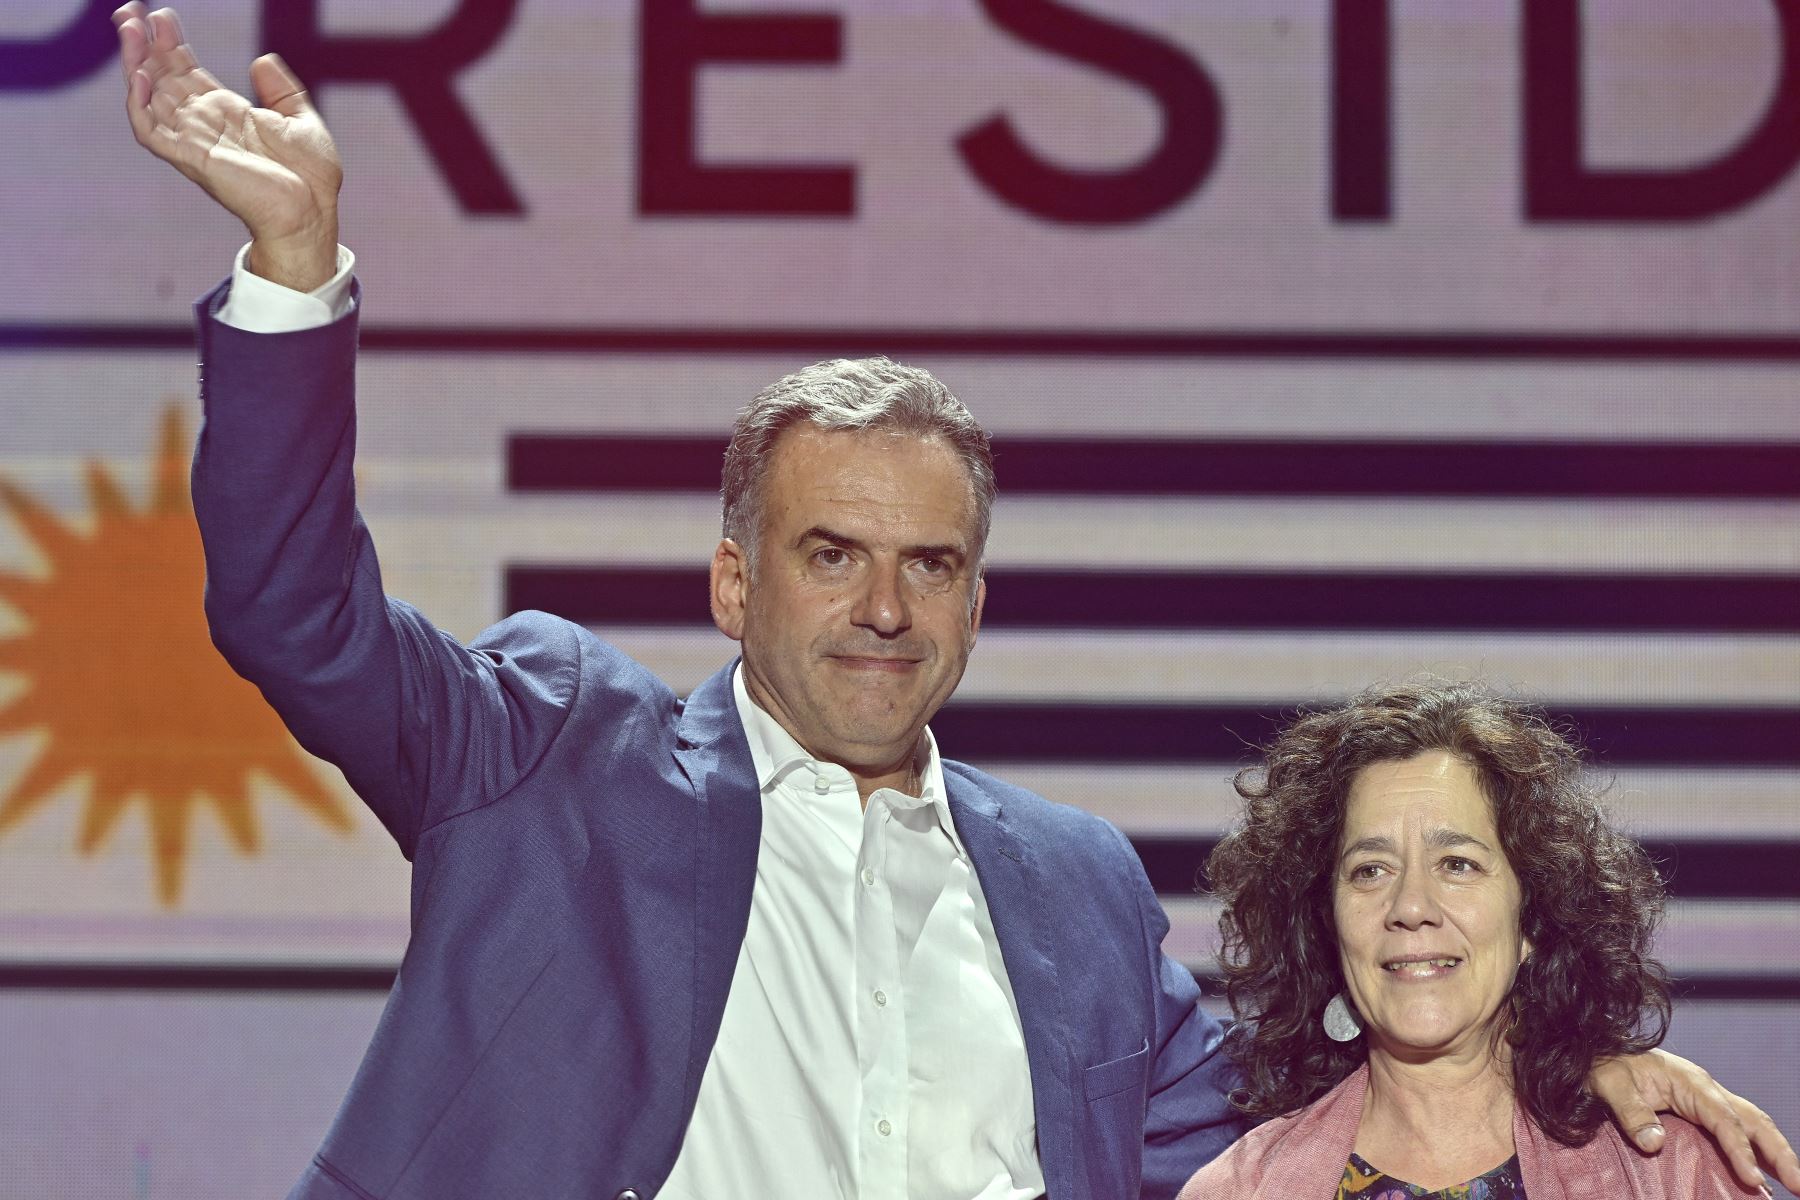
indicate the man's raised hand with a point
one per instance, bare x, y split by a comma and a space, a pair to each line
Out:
274, 167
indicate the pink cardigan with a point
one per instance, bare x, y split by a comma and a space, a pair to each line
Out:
1302, 1157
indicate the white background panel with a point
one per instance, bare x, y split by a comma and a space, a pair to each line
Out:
1197, 799
1255, 247
200, 1094
1177, 667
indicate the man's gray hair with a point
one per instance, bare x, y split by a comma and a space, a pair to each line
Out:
849, 395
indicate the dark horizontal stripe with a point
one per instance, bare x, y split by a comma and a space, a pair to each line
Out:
170, 977
981, 732
1692, 870
152, 977
1178, 467
614, 596
1034, 343
1692, 988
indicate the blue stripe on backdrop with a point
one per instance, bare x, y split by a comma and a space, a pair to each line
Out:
1692, 870
302, 977
1164, 733
1024, 598
1351, 345
1237, 467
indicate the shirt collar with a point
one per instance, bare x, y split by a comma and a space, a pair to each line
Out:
777, 757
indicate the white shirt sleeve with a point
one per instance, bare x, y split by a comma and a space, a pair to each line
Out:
258, 305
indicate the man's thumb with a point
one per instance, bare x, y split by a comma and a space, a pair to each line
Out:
277, 87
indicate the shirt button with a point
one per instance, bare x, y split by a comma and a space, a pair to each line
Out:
868, 877
883, 1128
821, 784
628, 1194
880, 998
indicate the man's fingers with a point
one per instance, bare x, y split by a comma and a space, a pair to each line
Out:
137, 106
134, 39
1641, 1125
277, 87
165, 28
1772, 1148
1720, 1117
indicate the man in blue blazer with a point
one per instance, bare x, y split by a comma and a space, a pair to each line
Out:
764, 941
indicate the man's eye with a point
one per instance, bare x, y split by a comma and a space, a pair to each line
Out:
830, 556
934, 566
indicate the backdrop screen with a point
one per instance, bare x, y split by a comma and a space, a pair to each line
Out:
1321, 343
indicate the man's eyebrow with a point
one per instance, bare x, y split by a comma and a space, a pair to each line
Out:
843, 541
946, 550
818, 533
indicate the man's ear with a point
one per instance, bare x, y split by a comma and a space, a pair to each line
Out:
730, 588
975, 609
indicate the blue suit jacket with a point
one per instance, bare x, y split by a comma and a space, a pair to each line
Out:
584, 845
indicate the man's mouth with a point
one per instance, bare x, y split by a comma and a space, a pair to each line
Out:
1421, 968
857, 662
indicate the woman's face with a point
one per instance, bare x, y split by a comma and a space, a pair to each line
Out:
1427, 908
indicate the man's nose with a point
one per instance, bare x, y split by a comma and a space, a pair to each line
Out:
883, 604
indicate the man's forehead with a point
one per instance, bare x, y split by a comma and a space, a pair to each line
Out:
882, 476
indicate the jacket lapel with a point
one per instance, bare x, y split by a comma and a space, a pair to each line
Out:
715, 756
1014, 889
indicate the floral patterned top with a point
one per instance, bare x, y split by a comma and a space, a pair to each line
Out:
1363, 1182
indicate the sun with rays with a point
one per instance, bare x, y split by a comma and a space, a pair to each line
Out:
119, 670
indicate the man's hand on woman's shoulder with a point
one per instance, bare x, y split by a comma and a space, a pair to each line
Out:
1638, 1086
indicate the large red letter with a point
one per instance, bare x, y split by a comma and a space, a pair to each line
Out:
676, 41
1191, 110
419, 69
70, 53
1362, 118
1559, 186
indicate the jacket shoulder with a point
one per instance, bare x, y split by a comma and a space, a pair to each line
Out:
1028, 810
567, 659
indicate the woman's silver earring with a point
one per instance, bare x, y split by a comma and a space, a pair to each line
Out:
1340, 1020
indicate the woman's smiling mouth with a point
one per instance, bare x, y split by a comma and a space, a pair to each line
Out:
1421, 968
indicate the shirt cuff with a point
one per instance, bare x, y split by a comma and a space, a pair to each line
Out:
258, 305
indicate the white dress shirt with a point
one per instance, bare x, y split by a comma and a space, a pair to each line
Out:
870, 1047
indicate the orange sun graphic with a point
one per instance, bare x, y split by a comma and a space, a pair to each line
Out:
120, 671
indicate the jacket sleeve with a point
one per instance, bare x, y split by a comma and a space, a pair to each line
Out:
1189, 1119
421, 727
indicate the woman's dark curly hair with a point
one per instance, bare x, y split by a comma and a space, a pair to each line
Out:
1590, 902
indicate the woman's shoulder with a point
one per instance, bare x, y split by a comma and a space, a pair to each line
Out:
1690, 1165
1246, 1163
1692, 1161
1313, 1142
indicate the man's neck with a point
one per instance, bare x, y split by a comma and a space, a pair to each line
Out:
907, 781
905, 774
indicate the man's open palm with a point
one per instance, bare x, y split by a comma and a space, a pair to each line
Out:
274, 167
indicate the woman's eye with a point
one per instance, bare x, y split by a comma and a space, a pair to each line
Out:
1365, 872
1457, 865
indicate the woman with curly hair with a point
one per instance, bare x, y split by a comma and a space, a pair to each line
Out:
1431, 935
